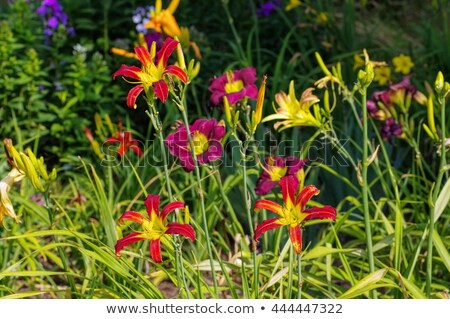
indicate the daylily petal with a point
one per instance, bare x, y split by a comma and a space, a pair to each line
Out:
170, 25
214, 152
185, 230
144, 56
152, 204
266, 225
133, 94
247, 75
166, 50
235, 97
133, 216
128, 240
161, 90
269, 205
218, 132
173, 6
126, 137
155, 250
128, 71
112, 140
170, 208
264, 185
306, 194
295, 233
252, 91
326, 212
288, 186
177, 71
122, 149
137, 150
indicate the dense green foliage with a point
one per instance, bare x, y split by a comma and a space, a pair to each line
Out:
388, 189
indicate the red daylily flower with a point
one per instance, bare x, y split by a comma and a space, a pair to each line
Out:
153, 71
126, 143
293, 213
155, 227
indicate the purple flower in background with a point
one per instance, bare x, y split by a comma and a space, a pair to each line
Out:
38, 199
266, 8
382, 96
374, 111
52, 23
153, 36
53, 16
58, 86
141, 16
391, 129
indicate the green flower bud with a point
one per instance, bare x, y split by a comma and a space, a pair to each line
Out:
439, 83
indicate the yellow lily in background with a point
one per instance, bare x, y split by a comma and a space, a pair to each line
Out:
163, 20
403, 64
292, 4
6, 207
294, 112
22, 165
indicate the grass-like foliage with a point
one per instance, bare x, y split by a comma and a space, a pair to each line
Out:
224, 149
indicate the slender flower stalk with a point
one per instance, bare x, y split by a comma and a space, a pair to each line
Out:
437, 187
200, 195
181, 104
365, 186
154, 118
247, 201
299, 274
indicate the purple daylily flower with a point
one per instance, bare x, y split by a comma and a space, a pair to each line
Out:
235, 85
206, 135
276, 167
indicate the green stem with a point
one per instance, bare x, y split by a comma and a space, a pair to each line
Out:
61, 252
158, 126
300, 278
398, 213
436, 191
250, 220
365, 190
202, 201
144, 190
230, 209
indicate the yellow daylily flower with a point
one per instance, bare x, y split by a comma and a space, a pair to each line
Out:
382, 74
358, 62
6, 207
162, 20
403, 64
322, 18
22, 165
294, 112
124, 53
292, 4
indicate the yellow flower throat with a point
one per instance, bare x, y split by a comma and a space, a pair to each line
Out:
200, 142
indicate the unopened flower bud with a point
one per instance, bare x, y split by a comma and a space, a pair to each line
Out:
439, 83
